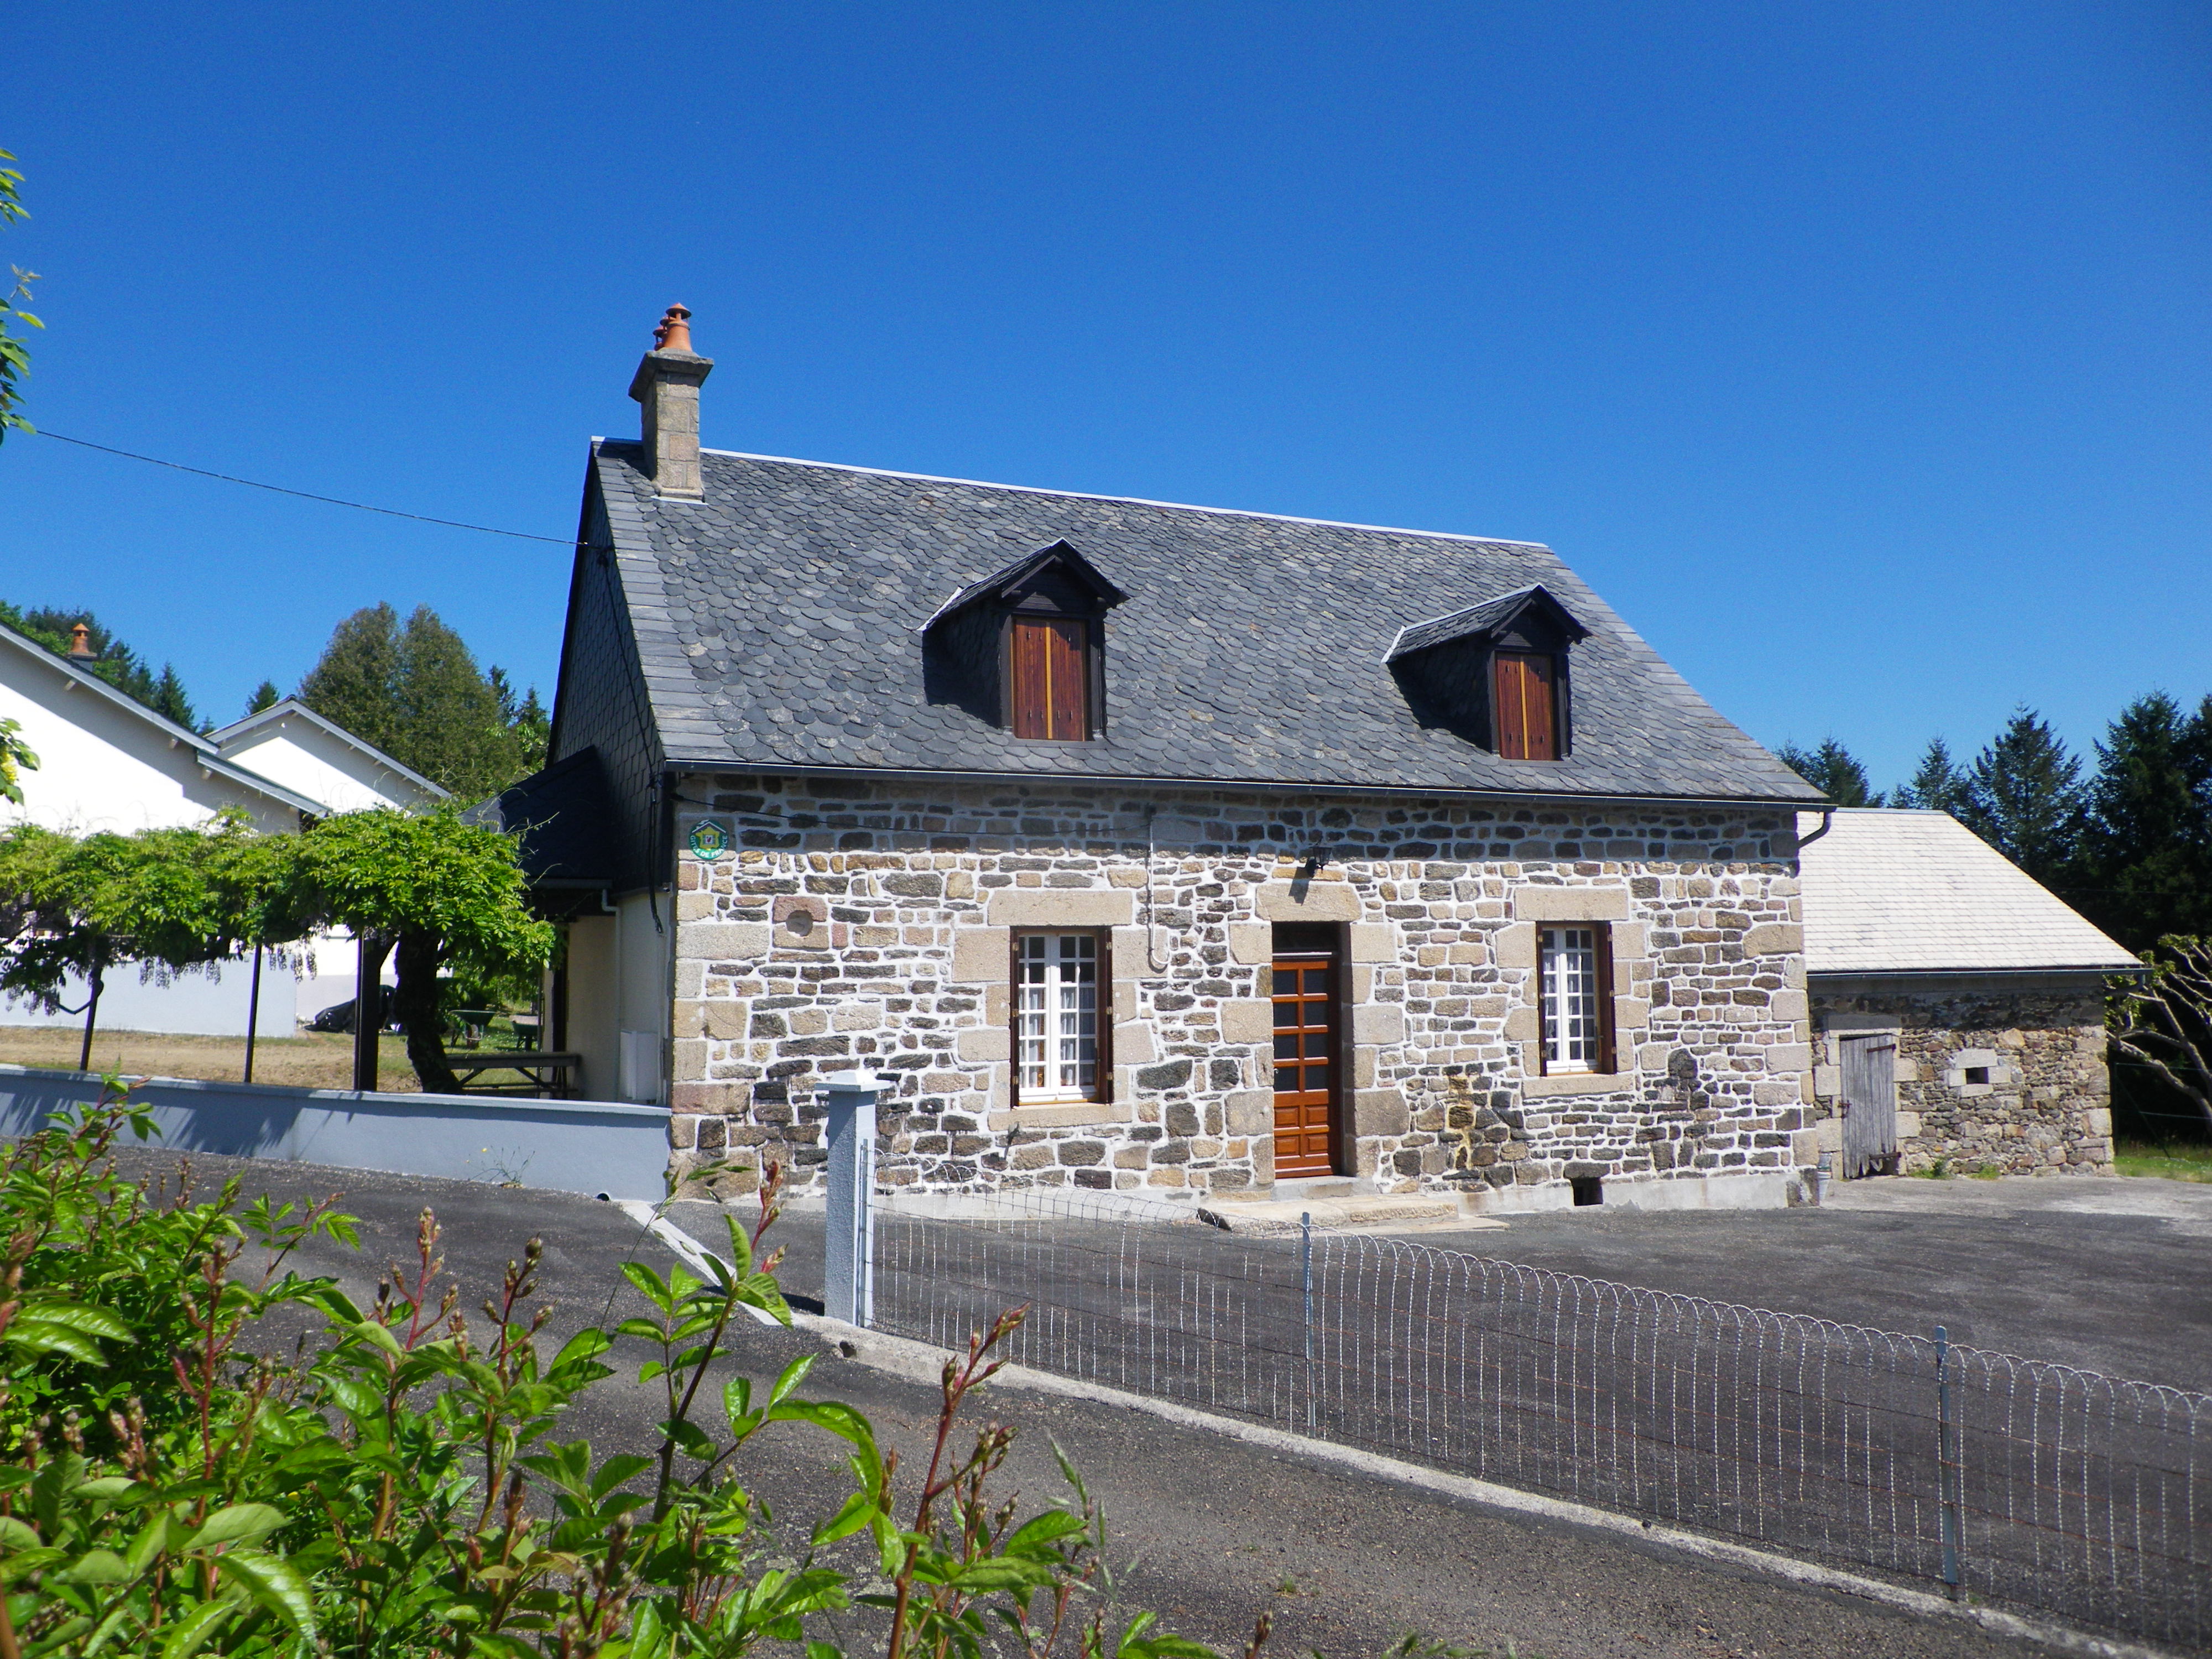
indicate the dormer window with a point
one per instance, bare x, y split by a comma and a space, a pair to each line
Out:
1526, 713
1048, 692
1024, 648
1494, 672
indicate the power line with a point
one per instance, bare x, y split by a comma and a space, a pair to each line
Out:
304, 495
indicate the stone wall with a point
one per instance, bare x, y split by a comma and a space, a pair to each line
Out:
861, 923
2045, 1109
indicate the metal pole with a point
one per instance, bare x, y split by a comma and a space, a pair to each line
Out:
1305, 1276
1950, 1477
253, 1013
849, 1241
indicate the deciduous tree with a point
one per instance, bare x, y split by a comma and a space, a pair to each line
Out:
74, 909
15, 349
449, 894
414, 691
2166, 1022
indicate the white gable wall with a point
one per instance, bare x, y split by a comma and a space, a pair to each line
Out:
102, 766
308, 759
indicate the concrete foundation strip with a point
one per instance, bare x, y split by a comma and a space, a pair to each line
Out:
919, 1362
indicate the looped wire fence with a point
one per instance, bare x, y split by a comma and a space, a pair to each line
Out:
1998, 1477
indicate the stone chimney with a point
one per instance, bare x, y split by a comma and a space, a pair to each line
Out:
80, 643
667, 386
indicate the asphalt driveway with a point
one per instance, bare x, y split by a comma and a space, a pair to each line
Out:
2108, 1274
1209, 1529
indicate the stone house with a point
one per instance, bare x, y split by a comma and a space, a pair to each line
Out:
1151, 848
1958, 1005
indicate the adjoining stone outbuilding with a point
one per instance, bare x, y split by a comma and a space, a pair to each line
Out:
1958, 1005
1151, 848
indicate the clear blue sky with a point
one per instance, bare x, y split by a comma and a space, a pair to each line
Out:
1858, 354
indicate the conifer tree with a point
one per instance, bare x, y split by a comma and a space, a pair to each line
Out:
170, 703
2025, 798
2146, 853
1833, 770
1940, 784
265, 695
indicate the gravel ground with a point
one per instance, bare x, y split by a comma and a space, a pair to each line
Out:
1208, 1529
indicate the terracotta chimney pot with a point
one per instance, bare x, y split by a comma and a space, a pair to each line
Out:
666, 387
674, 330
81, 642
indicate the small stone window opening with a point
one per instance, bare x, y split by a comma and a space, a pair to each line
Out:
1588, 1189
1058, 1012
1977, 1074
1574, 975
1526, 704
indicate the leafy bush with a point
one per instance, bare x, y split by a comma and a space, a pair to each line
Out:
395, 1489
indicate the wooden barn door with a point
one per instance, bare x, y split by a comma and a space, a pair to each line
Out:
1870, 1103
1308, 1050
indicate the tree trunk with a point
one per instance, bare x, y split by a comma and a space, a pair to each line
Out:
416, 1002
96, 979
368, 1009
253, 1013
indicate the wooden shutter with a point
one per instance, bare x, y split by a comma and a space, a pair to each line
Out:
1104, 1091
1527, 706
1050, 689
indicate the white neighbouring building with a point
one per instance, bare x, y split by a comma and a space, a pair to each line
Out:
290, 743
108, 762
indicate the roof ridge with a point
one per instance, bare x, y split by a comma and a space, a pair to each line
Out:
1128, 501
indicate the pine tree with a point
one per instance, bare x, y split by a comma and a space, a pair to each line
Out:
530, 731
1940, 786
2025, 799
2144, 843
169, 701
265, 695
354, 683
1833, 770
533, 728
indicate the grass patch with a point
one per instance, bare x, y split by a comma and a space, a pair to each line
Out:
313, 1060
2166, 1160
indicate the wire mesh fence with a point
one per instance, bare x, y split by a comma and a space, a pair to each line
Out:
1999, 1477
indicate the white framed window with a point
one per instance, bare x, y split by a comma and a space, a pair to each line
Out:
1571, 977
1056, 1013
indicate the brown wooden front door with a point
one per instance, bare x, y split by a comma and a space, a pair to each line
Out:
1308, 1074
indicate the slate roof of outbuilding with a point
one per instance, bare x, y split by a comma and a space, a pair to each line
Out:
1888, 891
776, 624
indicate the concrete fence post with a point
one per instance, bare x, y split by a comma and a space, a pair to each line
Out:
849, 1240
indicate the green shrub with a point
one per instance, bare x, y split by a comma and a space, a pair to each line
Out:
396, 1489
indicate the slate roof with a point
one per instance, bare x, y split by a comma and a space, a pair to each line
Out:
1475, 619
1888, 891
562, 816
776, 621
